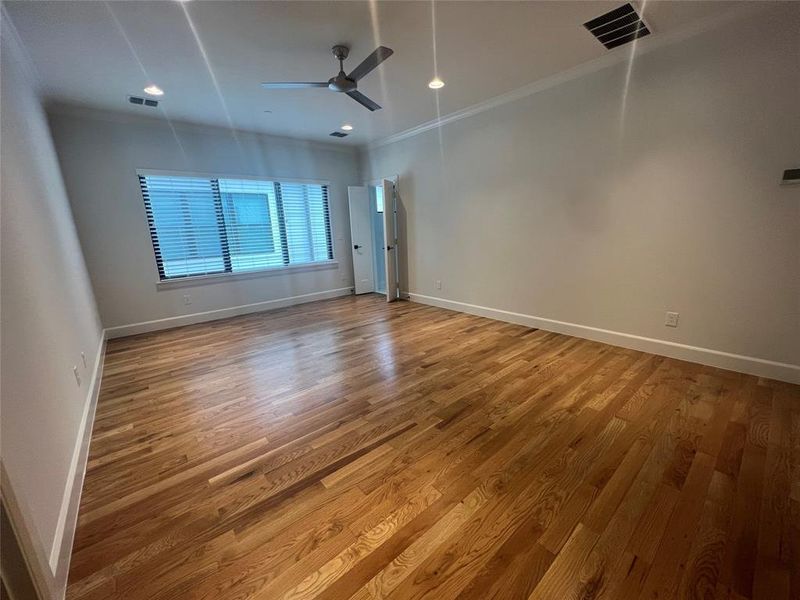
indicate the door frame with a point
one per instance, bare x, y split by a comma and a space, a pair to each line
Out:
369, 242
378, 182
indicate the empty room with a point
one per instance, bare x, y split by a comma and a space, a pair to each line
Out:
402, 300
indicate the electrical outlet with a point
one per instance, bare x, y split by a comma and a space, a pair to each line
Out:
187, 299
438, 284
83, 358
77, 375
671, 319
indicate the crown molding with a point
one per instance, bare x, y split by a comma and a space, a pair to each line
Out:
609, 59
612, 58
78, 111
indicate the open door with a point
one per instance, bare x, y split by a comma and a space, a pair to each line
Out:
390, 239
361, 236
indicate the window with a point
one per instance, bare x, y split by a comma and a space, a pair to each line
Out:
203, 226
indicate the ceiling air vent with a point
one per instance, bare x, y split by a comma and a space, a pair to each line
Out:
142, 101
338, 134
791, 176
618, 27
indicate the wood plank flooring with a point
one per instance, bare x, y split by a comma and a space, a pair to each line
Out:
354, 449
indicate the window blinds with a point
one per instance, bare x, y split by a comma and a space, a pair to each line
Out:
202, 226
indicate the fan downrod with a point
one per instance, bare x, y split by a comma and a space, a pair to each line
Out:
341, 83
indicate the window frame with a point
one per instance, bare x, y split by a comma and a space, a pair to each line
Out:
188, 280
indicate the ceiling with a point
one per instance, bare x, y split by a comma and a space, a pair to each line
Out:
210, 56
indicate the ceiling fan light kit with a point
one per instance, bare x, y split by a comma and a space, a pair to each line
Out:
342, 82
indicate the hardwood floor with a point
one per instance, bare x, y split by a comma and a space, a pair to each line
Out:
354, 449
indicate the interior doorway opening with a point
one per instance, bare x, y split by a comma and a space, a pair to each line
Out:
373, 231
376, 206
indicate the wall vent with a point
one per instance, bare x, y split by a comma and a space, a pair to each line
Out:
338, 134
791, 176
618, 27
142, 101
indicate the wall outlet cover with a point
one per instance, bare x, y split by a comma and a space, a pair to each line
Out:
671, 319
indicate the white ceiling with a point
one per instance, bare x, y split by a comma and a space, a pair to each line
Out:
96, 53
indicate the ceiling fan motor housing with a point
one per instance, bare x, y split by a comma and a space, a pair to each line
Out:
341, 83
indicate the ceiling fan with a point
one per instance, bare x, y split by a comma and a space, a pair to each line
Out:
347, 84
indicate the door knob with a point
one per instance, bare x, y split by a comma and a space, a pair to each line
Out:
356, 246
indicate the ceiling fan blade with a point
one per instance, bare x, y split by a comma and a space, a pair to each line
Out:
364, 101
293, 85
373, 60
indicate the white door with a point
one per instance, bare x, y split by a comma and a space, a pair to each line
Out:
361, 236
390, 239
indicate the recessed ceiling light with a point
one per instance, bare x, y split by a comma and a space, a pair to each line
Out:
436, 83
347, 127
153, 90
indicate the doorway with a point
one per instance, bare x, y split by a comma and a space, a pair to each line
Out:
373, 234
376, 207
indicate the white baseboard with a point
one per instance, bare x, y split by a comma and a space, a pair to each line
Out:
49, 567
704, 356
222, 313
30, 546
61, 551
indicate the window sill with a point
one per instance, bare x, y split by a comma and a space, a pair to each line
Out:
255, 274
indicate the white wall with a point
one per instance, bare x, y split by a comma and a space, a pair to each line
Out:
580, 205
47, 311
99, 154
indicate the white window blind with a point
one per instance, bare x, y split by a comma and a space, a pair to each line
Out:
202, 226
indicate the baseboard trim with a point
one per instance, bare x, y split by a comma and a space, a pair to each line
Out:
704, 356
30, 546
222, 313
61, 551
49, 567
